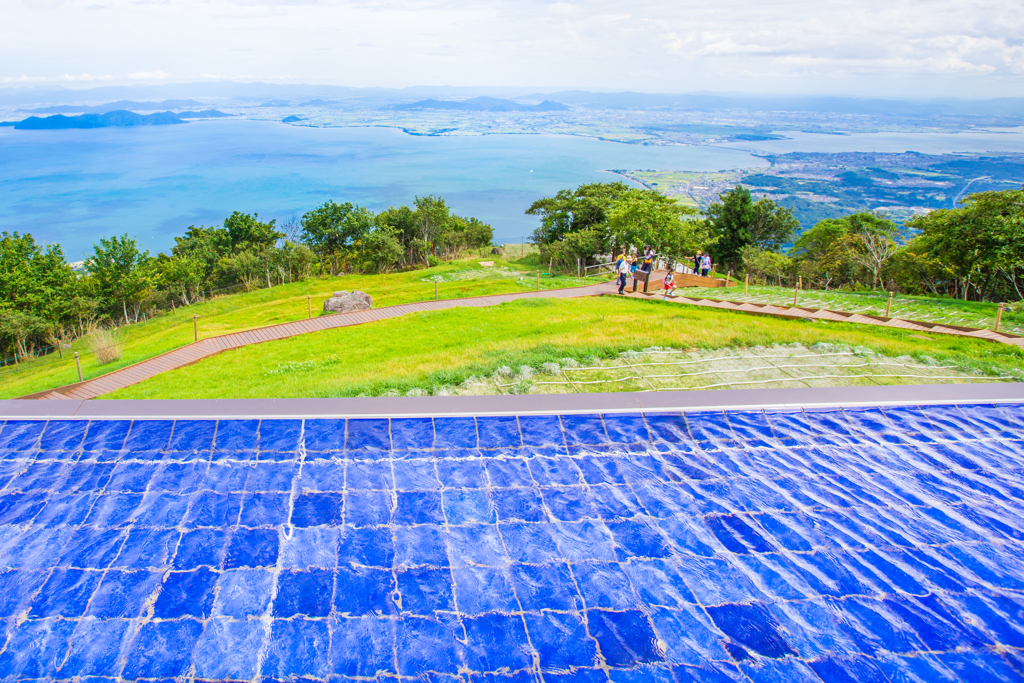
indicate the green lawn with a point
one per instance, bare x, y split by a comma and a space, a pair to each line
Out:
925, 309
437, 349
283, 303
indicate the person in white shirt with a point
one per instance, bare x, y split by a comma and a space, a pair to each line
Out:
624, 268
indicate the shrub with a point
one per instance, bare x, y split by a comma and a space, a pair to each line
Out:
107, 345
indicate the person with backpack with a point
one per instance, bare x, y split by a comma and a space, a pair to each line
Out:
622, 266
705, 265
648, 262
696, 263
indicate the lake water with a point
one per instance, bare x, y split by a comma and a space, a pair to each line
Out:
78, 185
75, 186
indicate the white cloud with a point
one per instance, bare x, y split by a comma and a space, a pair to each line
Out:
925, 47
148, 76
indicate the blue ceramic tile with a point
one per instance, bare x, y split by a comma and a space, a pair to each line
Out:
362, 591
252, 548
148, 436
429, 644
604, 584
21, 435
461, 473
317, 509
498, 432
412, 433
211, 509
229, 649
532, 543
63, 435
162, 649
424, 590
35, 649
483, 589
455, 432
188, 593
362, 646
94, 647
299, 648
66, 593
476, 544
546, 587
372, 547
561, 641
497, 641
509, 472
518, 504
280, 436
123, 593
264, 509
324, 435
418, 507
368, 508
413, 475
368, 435
202, 547
304, 593
541, 430
106, 435
244, 593
625, 638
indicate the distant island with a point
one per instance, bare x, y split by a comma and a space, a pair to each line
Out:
483, 104
292, 119
112, 119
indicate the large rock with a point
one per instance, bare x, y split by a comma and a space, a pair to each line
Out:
498, 251
346, 302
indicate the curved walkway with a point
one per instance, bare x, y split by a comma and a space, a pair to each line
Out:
204, 348
799, 312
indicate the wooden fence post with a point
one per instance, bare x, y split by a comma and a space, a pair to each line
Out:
538, 280
195, 326
888, 306
796, 289
435, 288
746, 284
309, 306
579, 274
78, 364
999, 317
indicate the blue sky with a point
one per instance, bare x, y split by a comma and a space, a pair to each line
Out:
915, 48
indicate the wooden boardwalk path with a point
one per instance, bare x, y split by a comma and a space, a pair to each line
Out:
211, 346
204, 348
799, 312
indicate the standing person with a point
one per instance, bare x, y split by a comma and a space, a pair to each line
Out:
696, 263
670, 285
705, 265
623, 273
648, 263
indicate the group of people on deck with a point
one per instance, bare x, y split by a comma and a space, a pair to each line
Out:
628, 263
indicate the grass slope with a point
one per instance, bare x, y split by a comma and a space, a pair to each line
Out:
283, 303
443, 348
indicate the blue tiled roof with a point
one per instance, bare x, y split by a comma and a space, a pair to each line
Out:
867, 544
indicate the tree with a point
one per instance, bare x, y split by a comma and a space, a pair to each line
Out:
737, 221
875, 251
36, 280
18, 329
331, 229
833, 248
121, 271
183, 275
380, 248
569, 211
205, 247
981, 243
645, 217
764, 265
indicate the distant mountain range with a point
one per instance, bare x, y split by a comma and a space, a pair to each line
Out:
483, 104
117, 106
